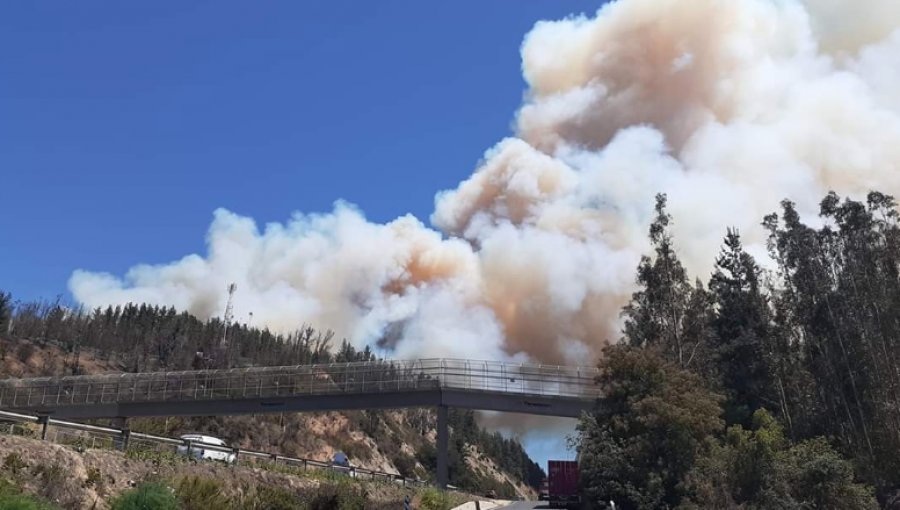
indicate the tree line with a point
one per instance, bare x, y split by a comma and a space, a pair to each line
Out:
146, 337
141, 337
775, 387
506, 453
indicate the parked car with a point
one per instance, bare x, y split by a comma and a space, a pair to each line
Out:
197, 450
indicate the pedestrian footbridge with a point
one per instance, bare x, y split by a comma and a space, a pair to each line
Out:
484, 385
548, 390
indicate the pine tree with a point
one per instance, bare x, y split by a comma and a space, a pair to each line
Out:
742, 333
6, 310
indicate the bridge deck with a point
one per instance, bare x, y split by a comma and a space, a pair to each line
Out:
528, 388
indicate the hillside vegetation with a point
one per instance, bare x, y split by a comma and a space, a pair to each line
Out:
44, 476
48, 338
765, 389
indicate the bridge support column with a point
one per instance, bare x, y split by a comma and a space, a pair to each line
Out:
443, 471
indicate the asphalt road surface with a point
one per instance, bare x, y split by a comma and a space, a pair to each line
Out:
524, 505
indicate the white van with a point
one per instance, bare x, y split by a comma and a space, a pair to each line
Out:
198, 451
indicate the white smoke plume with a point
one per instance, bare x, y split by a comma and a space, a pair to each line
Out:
726, 105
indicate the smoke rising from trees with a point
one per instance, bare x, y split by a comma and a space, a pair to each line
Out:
726, 106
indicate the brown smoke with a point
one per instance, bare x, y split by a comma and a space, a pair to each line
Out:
726, 105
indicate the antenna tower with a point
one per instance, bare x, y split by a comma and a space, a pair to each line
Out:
229, 312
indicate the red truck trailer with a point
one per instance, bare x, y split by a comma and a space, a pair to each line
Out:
562, 484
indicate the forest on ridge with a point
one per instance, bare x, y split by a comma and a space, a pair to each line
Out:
141, 337
762, 388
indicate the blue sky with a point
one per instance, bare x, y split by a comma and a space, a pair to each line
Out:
123, 125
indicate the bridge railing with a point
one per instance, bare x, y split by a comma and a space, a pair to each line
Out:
324, 379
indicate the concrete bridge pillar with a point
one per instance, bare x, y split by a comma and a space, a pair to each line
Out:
443, 471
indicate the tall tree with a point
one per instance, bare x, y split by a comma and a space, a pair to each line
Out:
742, 333
839, 300
644, 435
667, 312
6, 310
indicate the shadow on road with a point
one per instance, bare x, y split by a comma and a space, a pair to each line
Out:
525, 505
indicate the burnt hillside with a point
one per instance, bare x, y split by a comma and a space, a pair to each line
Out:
48, 338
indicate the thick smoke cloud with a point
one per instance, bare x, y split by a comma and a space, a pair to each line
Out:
726, 105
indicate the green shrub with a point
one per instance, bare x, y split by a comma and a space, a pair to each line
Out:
155, 456
94, 478
434, 499
197, 493
149, 496
14, 463
274, 498
405, 464
24, 430
24, 351
819, 477
11, 498
22, 502
55, 484
337, 497
758, 468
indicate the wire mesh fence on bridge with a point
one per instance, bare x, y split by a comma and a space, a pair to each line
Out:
335, 378
155, 448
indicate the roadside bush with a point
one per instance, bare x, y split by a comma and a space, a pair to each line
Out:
94, 479
405, 464
24, 430
11, 498
337, 497
758, 469
14, 463
154, 456
819, 477
22, 502
197, 493
273, 498
149, 496
434, 499
56, 486
155, 425
24, 351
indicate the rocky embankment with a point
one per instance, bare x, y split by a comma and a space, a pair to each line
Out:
89, 479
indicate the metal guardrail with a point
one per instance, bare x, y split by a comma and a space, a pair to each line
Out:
335, 378
124, 439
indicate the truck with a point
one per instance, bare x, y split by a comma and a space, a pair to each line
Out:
543, 493
562, 484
